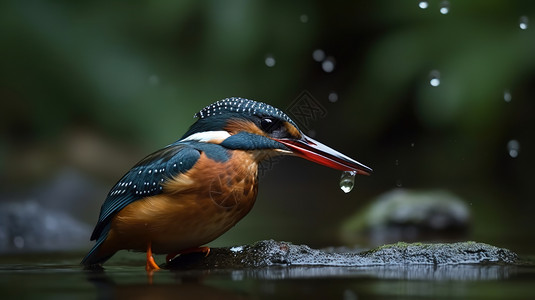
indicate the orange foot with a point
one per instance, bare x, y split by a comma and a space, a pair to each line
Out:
151, 264
205, 250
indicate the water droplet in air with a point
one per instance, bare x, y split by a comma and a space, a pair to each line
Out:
434, 78
399, 183
318, 55
412, 145
507, 96
328, 64
523, 22
513, 147
333, 97
397, 162
347, 181
303, 18
444, 7
270, 61
423, 4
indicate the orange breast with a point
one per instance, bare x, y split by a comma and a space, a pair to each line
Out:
195, 208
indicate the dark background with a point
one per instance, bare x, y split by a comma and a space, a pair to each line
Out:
88, 88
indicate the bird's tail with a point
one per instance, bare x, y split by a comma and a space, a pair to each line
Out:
94, 257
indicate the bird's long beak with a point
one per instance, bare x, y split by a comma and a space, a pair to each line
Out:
319, 153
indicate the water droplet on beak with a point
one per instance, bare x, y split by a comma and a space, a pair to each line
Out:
347, 181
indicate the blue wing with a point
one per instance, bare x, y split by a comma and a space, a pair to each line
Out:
146, 179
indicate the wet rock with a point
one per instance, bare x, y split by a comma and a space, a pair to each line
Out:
409, 216
273, 253
440, 254
30, 227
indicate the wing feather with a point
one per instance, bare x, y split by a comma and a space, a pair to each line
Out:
146, 179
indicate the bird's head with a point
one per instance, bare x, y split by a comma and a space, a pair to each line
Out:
242, 124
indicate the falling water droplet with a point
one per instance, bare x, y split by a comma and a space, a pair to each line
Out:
423, 4
328, 64
347, 181
303, 18
399, 183
513, 147
333, 97
397, 162
444, 7
412, 145
434, 78
507, 96
523, 22
270, 61
318, 55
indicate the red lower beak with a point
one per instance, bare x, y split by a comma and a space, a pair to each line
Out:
317, 152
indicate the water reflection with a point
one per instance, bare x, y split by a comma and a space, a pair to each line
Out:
185, 286
67, 279
401, 272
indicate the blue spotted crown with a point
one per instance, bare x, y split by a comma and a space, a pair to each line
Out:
245, 106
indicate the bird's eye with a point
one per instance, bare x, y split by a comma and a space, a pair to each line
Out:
269, 124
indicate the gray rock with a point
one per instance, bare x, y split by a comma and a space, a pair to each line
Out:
410, 216
30, 227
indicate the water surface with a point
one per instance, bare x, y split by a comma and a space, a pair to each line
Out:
53, 276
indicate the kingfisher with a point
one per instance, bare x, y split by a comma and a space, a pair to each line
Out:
190, 192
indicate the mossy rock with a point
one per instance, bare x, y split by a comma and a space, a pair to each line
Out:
272, 253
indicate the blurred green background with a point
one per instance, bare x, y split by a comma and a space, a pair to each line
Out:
88, 88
